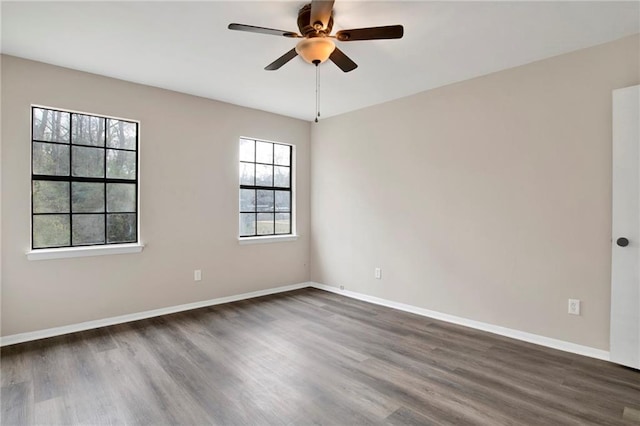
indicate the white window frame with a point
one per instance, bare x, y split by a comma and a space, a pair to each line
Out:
83, 251
261, 239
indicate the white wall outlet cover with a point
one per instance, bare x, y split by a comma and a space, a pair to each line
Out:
197, 275
378, 273
574, 306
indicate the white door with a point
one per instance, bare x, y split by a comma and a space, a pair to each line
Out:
625, 271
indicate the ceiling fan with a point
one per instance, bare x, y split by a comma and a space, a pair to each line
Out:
315, 21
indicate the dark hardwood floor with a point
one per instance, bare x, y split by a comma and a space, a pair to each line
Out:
307, 357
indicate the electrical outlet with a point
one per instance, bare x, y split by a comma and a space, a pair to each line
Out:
377, 273
341, 287
574, 306
197, 275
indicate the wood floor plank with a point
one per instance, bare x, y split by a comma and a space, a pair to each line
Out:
404, 416
306, 357
46, 366
530, 385
51, 412
17, 404
142, 391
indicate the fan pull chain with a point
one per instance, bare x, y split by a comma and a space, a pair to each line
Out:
317, 91
318, 78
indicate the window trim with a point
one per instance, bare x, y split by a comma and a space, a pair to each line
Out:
257, 239
281, 238
84, 250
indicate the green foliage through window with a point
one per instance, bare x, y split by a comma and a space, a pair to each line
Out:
84, 179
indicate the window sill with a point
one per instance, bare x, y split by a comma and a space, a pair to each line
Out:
61, 253
268, 239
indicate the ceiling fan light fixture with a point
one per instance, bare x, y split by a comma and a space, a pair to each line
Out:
315, 50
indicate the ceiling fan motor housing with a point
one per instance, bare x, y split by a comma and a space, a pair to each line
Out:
307, 28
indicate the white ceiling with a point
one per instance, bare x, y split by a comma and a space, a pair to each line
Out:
186, 46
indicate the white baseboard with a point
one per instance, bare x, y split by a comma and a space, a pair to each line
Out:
88, 325
502, 331
495, 329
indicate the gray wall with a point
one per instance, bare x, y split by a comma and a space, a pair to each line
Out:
189, 199
489, 199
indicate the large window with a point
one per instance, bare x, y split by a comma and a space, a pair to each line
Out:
265, 188
84, 179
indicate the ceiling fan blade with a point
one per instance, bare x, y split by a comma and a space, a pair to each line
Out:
321, 12
342, 61
373, 33
261, 30
282, 60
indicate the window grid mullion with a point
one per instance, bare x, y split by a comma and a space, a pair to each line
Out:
70, 176
273, 183
136, 187
105, 182
255, 226
82, 179
32, 198
267, 188
88, 146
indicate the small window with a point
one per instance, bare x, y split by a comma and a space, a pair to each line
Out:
84, 179
265, 188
